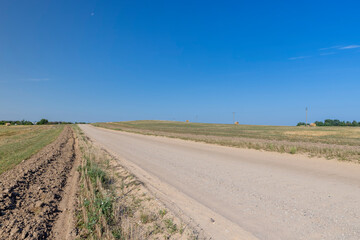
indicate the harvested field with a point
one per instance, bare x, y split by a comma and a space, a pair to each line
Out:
308, 133
30, 192
340, 143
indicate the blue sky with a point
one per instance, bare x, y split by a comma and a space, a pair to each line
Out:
177, 60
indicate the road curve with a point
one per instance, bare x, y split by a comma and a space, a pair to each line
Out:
270, 195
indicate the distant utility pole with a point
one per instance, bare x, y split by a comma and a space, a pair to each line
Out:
233, 117
306, 109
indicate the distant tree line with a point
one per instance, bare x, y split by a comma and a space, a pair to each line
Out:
333, 122
41, 122
22, 122
46, 122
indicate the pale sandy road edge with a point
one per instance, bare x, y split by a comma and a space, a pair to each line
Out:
189, 210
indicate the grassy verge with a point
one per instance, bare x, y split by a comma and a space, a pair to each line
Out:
21, 142
114, 204
341, 143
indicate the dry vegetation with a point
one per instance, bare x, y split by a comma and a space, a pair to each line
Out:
20, 142
341, 143
114, 204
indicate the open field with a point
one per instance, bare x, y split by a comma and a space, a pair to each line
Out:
20, 142
331, 142
95, 183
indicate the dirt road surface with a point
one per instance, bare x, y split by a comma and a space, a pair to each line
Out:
240, 193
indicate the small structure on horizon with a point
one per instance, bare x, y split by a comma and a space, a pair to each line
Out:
312, 124
187, 121
236, 123
7, 124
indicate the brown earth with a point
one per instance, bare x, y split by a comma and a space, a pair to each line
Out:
30, 193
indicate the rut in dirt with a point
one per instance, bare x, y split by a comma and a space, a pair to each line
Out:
31, 192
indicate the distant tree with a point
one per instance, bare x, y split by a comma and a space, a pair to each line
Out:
337, 122
355, 124
328, 122
319, 123
42, 122
301, 124
24, 122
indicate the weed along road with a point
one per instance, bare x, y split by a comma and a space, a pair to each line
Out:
236, 193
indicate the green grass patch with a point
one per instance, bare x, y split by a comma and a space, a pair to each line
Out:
170, 226
293, 150
162, 212
18, 143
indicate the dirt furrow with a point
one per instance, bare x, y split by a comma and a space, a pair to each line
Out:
31, 192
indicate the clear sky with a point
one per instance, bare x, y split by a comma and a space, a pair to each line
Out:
89, 60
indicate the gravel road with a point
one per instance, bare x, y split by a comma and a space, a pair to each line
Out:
266, 195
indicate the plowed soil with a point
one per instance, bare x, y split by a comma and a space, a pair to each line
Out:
30, 193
